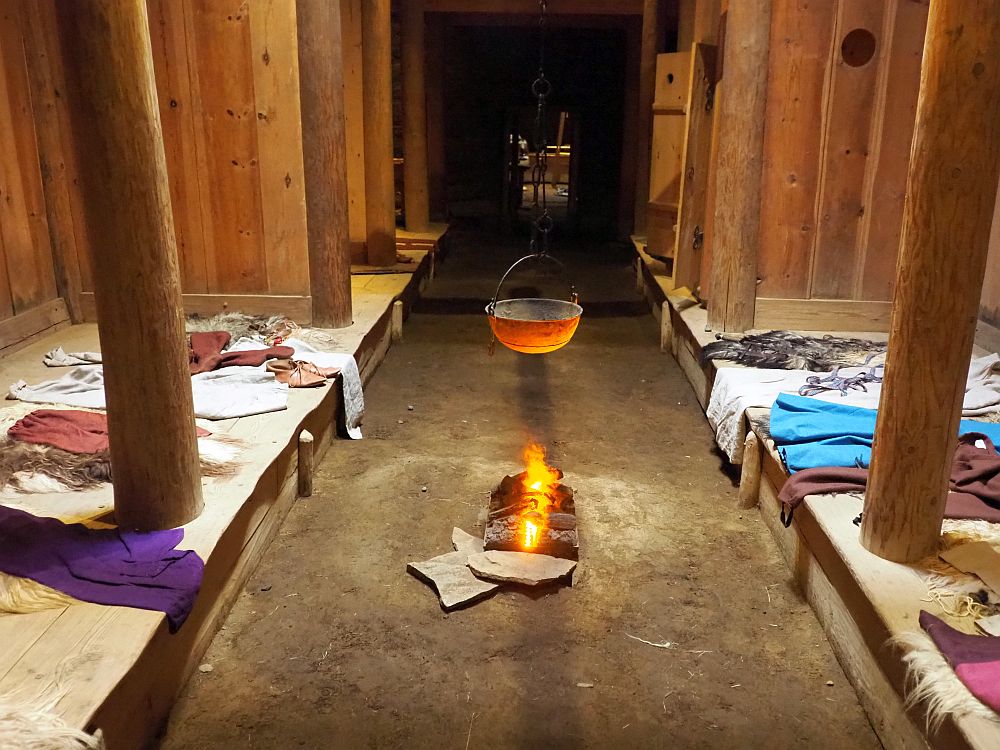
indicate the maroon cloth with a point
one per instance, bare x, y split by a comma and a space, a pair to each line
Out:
975, 658
205, 353
974, 482
68, 429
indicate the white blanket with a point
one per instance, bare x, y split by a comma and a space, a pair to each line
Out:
737, 389
221, 394
220, 389
350, 376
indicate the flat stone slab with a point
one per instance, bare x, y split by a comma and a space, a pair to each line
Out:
527, 568
455, 584
465, 542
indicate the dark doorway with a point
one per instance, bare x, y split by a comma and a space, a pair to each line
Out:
487, 91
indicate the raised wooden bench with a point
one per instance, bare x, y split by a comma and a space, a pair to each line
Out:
118, 669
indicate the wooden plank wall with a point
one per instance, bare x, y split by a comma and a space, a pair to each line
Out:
227, 84
30, 301
989, 307
837, 148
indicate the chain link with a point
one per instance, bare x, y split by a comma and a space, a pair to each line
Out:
541, 88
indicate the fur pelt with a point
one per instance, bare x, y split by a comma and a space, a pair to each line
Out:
30, 727
931, 681
21, 595
786, 350
30, 468
265, 327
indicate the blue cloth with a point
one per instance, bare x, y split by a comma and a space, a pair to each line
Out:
810, 433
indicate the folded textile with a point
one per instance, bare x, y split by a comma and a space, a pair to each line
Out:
982, 389
220, 394
786, 350
737, 389
975, 658
974, 483
810, 432
60, 358
103, 566
67, 429
350, 376
207, 352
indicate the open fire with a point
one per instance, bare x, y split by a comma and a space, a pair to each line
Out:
533, 511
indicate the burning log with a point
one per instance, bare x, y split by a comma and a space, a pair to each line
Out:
531, 515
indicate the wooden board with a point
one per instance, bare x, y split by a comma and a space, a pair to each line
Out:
844, 158
695, 168
297, 308
821, 314
350, 19
800, 48
28, 278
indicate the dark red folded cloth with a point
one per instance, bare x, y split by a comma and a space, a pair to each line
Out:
974, 483
68, 429
205, 353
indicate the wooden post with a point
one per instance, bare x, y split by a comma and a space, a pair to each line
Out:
305, 470
666, 328
324, 150
740, 121
415, 185
951, 191
397, 320
753, 460
380, 190
154, 453
649, 47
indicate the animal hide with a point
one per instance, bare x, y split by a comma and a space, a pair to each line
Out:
785, 350
931, 681
30, 468
238, 325
29, 727
22, 595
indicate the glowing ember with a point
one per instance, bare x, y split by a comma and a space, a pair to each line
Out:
540, 480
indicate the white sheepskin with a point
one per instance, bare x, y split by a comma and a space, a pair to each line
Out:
932, 682
24, 727
21, 595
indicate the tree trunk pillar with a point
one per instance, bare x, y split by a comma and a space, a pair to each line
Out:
416, 207
324, 147
380, 190
154, 452
739, 159
951, 192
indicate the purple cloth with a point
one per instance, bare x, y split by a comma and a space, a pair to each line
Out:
975, 658
103, 566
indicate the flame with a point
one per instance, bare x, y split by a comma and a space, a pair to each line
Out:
530, 534
539, 481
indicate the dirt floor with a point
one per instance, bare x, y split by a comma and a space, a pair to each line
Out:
334, 645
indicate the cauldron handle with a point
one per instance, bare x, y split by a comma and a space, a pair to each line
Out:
574, 297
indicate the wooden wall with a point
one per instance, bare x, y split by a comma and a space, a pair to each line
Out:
227, 84
30, 301
836, 149
989, 308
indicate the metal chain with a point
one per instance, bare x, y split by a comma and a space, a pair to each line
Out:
541, 88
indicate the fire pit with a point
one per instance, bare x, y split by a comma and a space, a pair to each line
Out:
533, 511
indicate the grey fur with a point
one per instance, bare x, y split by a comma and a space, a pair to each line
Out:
786, 350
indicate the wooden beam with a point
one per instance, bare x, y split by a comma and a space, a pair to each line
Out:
738, 166
380, 191
951, 191
530, 7
324, 147
415, 183
154, 454
650, 43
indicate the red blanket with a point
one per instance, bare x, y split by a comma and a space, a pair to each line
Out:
68, 429
205, 353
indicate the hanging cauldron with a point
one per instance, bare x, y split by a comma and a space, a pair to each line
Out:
533, 325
